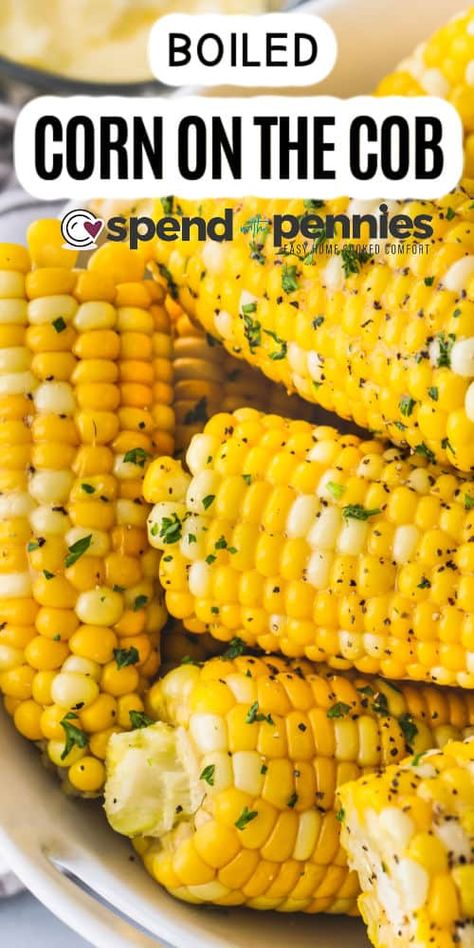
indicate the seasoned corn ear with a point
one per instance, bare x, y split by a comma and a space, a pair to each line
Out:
308, 542
409, 833
230, 796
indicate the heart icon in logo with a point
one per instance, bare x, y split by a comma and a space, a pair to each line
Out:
93, 228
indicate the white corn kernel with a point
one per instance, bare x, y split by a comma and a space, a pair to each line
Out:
165, 524
301, 515
397, 826
208, 891
94, 315
243, 689
100, 606
213, 256
55, 398
404, 542
199, 579
70, 689
18, 504
224, 323
352, 537
82, 666
469, 402
309, 827
434, 83
459, 274
201, 491
45, 520
202, 447
297, 359
15, 585
209, 732
45, 309
319, 568
248, 777
315, 366
324, 451
462, 357
51, 487
333, 275
17, 383
324, 534
469, 74
193, 541
414, 882
419, 480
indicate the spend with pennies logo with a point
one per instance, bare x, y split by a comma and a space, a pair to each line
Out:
80, 228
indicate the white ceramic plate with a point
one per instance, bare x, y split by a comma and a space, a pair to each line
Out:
61, 848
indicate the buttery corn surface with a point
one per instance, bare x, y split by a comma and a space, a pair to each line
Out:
312, 543
272, 740
83, 407
409, 833
385, 340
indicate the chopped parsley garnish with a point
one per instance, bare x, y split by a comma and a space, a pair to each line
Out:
445, 344
409, 728
208, 774
340, 815
208, 500
139, 603
280, 353
358, 512
171, 529
293, 800
249, 308
126, 656
169, 279
252, 331
235, 648
74, 736
353, 260
59, 324
380, 705
167, 205
406, 405
425, 452
338, 710
77, 549
263, 769
416, 759
136, 456
468, 502
433, 393
245, 818
211, 559
47, 574
289, 280
313, 204
33, 545
247, 478
428, 281
88, 488
253, 715
336, 490
317, 322
450, 214
221, 543
139, 719
424, 583
366, 690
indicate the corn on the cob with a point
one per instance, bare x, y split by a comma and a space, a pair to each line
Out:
86, 392
442, 66
409, 833
234, 788
207, 380
386, 341
312, 543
